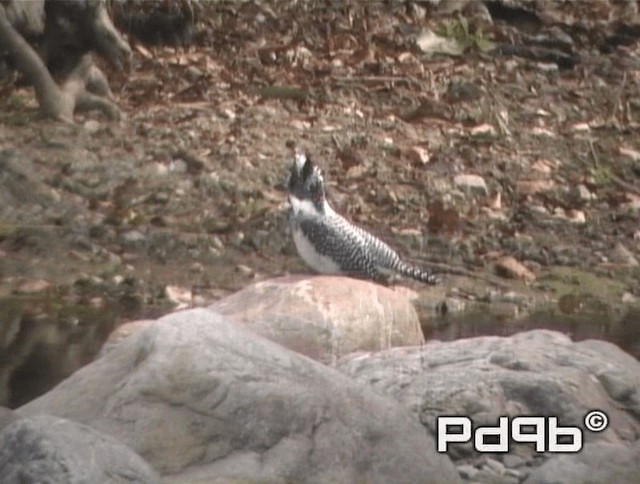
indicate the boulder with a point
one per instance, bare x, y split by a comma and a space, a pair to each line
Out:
46, 449
123, 332
7, 417
597, 462
200, 397
535, 373
326, 317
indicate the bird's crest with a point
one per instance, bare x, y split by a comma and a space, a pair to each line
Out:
306, 182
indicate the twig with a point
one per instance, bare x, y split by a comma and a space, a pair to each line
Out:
620, 182
618, 97
371, 79
596, 160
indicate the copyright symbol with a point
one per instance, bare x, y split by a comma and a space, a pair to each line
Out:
596, 420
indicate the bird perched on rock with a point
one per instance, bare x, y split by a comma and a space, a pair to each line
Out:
329, 243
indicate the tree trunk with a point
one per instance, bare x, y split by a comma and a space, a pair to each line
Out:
52, 101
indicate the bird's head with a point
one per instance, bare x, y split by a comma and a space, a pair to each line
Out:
306, 186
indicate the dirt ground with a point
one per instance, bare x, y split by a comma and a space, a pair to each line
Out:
184, 201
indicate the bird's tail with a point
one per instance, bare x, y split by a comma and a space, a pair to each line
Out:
418, 274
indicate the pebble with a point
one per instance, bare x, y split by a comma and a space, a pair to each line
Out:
237, 239
178, 295
82, 256
577, 216
472, 183
513, 473
511, 461
467, 471
193, 73
542, 132
581, 127
133, 237
539, 209
510, 268
161, 197
217, 243
92, 126
494, 466
622, 255
483, 130
531, 187
97, 302
418, 154
548, 66
32, 287
244, 270
583, 193
504, 310
455, 305
633, 154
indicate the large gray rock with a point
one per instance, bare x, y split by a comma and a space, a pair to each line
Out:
46, 449
326, 317
201, 398
598, 462
534, 373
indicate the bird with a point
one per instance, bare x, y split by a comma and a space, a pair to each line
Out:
329, 243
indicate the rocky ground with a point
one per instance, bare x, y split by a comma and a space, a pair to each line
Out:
518, 164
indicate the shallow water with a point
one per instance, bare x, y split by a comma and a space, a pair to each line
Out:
44, 339
622, 330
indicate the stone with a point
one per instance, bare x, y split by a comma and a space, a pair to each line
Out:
467, 471
583, 193
494, 466
33, 286
576, 216
92, 126
419, 155
199, 396
124, 331
483, 130
512, 461
621, 255
511, 268
7, 417
537, 372
581, 127
633, 154
133, 238
325, 317
513, 473
597, 462
471, 183
46, 449
531, 187
547, 66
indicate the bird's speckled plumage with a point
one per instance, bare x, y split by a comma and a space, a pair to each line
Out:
329, 243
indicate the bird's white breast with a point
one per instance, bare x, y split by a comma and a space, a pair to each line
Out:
315, 260
305, 209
